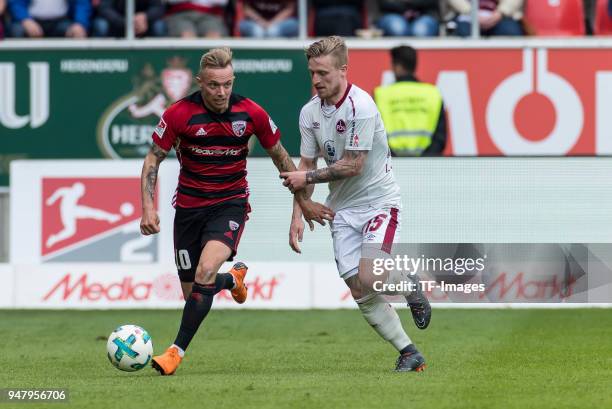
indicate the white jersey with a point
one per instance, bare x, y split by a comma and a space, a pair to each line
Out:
354, 123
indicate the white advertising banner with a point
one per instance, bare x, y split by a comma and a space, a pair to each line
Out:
7, 286
271, 285
329, 290
96, 286
83, 211
75, 240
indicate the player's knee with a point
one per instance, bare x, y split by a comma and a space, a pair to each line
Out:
356, 287
205, 273
356, 293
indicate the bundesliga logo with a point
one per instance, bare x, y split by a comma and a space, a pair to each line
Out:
92, 219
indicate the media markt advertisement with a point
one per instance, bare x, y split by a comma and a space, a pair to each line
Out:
485, 273
82, 104
115, 285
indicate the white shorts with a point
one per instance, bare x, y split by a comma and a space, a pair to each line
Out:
355, 226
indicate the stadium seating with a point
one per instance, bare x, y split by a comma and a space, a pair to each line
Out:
555, 17
603, 21
238, 16
365, 17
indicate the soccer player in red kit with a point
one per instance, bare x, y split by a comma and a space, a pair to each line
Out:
209, 131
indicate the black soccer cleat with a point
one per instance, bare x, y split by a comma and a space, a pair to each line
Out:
421, 313
420, 309
410, 362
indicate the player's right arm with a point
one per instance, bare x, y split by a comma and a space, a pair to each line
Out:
164, 137
149, 223
309, 152
296, 230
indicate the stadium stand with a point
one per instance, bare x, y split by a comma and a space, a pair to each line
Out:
2, 8
555, 18
403, 18
270, 18
339, 17
603, 18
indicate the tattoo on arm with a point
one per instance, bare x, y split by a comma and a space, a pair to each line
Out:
305, 194
151, 181
159, 153
349, 165
151, 168
281, 158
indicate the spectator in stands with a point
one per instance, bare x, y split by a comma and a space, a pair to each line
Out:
337, 17
49, 18
496, 17
419, 18
196, 18
110, 20
269, 18
2, 7
412, 111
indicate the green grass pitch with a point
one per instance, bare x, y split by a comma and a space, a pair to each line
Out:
319, 359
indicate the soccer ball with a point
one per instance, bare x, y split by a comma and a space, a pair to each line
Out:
129, 348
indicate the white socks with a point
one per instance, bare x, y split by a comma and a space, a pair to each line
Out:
384, 319
180, 350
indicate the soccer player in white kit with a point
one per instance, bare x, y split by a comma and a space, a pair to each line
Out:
342, 124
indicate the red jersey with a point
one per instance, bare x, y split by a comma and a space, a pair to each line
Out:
212, 148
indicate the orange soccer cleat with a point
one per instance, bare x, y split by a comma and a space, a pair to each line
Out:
239, 293
168, 362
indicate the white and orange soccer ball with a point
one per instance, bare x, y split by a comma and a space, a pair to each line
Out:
129, 348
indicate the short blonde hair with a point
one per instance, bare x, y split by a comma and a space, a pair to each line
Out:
216, 58
333, 45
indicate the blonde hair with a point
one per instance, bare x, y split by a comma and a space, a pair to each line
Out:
216, 58
333, 45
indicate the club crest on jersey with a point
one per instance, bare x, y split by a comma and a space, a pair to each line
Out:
341, 126
330, 149
233, 225
316, 125
239, 127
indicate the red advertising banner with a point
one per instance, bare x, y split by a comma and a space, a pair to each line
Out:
531, 101
75, 210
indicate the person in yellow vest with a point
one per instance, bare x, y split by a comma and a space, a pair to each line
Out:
412, 111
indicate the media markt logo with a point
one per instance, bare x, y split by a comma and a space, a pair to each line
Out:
125, 128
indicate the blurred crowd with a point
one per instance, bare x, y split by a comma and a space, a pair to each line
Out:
278, 18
